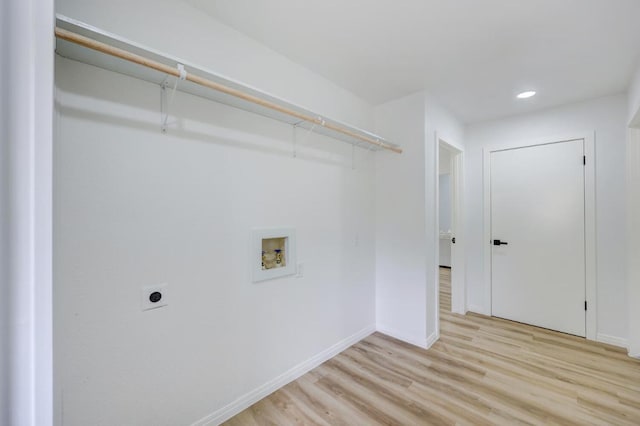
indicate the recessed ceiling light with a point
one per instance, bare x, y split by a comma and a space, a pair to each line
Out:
527, 94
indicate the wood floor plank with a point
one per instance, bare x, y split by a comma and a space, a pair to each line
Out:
482, 371
315, 399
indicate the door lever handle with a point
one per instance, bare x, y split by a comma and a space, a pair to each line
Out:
499, 243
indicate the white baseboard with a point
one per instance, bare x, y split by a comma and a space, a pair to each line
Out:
245, 401
457, 310
612, 340
478, 310
413, 340
432, 339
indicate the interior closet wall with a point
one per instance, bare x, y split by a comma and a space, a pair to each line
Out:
135, 207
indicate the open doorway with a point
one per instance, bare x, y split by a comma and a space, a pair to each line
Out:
449, 248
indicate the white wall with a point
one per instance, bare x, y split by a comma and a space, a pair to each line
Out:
26, 110
634, 99
440, 125
134, 207
137, 208
5, 246
401, 244
406, 236
633, 214
606, 116
633, 228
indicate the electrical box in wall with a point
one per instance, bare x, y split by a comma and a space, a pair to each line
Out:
273, 254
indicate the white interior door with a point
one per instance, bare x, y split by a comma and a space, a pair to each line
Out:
537, 217
451, 162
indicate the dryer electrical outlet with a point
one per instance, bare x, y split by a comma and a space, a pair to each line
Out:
154, 296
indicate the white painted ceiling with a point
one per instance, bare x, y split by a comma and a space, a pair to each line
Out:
474, 56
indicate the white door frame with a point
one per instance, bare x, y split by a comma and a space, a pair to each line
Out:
458, 290
590, 220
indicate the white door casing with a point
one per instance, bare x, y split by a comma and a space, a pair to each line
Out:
537, 210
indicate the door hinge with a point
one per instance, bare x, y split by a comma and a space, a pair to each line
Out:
584, 160
585, 305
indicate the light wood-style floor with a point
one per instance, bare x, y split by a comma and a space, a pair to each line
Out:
482, 371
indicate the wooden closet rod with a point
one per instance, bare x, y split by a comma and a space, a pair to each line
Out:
132, 57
